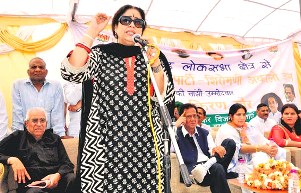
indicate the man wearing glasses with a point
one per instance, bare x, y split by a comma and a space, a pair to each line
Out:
37, 157
206, 162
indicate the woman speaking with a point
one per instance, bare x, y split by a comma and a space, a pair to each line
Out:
122, 147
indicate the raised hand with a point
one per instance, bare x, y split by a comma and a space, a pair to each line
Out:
181, 120
97, 24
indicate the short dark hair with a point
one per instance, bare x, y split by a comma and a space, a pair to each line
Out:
187, 106
261, 105
204, 112
234, 108
121, 11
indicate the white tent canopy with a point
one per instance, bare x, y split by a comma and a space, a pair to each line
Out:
268, 19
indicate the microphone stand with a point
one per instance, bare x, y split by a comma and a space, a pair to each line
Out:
171, 130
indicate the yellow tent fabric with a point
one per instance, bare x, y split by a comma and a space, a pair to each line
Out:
13, 66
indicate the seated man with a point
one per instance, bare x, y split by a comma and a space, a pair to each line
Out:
206, 162
262, 122
37, 154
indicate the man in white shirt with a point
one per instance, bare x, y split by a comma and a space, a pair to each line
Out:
273, 106
262, 122
73, 101
37, 91
206, 162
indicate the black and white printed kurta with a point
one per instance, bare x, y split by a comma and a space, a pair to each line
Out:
118, 148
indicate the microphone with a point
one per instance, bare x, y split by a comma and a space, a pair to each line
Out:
137, 39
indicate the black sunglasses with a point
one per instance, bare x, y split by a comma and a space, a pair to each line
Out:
127, 20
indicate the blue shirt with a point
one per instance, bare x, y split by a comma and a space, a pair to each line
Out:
50, 97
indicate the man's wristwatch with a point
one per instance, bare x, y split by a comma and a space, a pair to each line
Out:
157, 69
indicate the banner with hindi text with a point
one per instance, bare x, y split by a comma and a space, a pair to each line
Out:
216, 80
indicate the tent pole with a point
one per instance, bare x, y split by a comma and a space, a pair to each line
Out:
74, 11
73, 7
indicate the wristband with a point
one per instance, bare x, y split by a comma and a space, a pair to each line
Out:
256, 148
69, 54
85, 47
286, 142
84, 44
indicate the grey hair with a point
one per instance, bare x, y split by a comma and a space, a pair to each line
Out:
35, 109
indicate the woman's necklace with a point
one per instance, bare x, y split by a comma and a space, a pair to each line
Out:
130, 65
